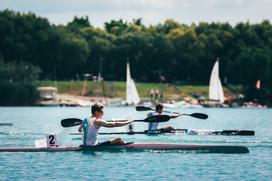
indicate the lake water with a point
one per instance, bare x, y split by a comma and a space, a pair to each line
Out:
32, 123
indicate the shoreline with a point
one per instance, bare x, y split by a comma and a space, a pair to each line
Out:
71, 100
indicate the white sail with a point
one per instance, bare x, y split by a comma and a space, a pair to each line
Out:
132, 96
215, 89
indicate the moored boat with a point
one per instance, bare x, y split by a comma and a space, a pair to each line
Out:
132, 96
216, 93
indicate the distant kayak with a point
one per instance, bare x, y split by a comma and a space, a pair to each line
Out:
185, 131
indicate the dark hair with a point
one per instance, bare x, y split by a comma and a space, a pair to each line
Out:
159, 106
97, 107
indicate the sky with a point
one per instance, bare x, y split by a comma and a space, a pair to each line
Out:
151, 11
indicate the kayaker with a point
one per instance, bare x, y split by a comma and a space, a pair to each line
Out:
90, 127
158, 111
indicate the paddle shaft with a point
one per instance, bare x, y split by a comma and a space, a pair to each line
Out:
140, 120
70, 122
195, 115
143, 108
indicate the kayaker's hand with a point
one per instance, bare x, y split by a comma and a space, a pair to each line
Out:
80, 128
130, 120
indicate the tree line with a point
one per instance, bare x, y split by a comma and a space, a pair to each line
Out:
167, 52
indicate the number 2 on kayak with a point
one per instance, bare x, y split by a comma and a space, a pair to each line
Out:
51, 140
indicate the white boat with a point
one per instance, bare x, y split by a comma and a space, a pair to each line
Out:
215, 89
216, 94
132, 96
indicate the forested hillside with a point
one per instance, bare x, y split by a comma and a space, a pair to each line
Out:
168, 52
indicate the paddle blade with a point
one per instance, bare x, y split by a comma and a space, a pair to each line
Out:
70, 122
143, 108
6, 124
199, 115
157, 118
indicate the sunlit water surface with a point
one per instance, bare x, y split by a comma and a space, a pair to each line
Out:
32, 123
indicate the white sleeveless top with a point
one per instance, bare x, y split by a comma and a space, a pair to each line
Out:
89, 135
152, 126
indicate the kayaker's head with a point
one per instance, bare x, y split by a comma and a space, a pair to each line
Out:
97, 110
159, 108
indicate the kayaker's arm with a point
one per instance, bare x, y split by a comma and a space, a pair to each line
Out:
111, 124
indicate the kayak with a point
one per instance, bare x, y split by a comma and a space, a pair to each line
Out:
198, 148
185, 131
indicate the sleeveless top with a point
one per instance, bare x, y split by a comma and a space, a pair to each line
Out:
89, 135
152, 126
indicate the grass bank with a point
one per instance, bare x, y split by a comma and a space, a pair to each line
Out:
118, 89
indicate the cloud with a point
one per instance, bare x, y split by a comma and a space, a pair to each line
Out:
152, 11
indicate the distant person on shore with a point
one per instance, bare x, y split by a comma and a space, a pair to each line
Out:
159, 111
112, 88
161, 96
157, 92
151, 94
90, 127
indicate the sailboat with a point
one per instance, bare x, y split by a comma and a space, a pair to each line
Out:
216, 94
132, 96
215, 88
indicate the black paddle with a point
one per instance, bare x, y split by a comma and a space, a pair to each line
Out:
6, 124
70, 122
195, 115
